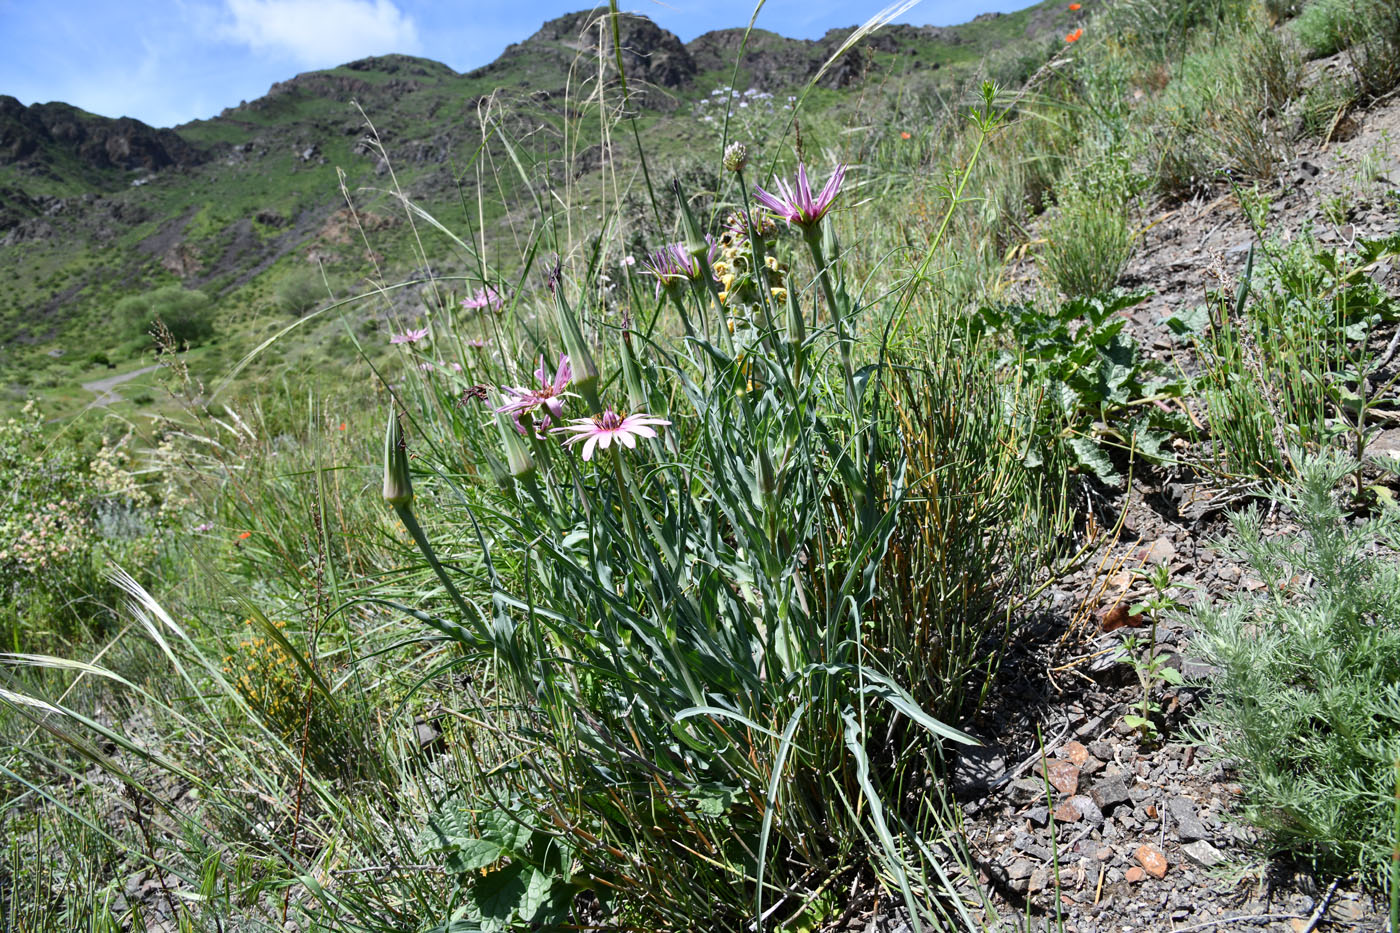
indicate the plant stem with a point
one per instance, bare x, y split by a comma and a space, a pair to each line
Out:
813, 237
405, 514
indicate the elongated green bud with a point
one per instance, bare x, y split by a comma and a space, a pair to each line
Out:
796, 326
580, 359
632, 374
695, 243
763, 470
398, 487
518, 460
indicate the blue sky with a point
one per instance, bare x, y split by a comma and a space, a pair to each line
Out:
169, 61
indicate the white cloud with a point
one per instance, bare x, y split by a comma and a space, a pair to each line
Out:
322, 32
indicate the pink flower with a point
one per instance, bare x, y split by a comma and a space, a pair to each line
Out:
549, 396
601, 430
486, 297
412, 336
795, 204
672, 264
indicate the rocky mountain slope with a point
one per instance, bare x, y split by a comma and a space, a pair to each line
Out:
246, 205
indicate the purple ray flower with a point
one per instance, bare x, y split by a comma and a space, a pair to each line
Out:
601, 430
411, 336
486, 297
672, 264
550, 395
795, 204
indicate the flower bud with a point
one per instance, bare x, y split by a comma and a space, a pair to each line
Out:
695, 243
398, 487
518, 460
585, 370
764, 472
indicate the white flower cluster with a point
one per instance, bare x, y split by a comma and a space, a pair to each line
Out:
711, 109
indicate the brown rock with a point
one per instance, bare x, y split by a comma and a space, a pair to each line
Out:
1063, 776
1075, 753
1067, 812
1118, 617
1135, 874
1152, 861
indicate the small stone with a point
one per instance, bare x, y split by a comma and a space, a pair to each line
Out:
1151, 812
1019, 869
1063, 776
1090, 766
1109, 792
1188, 825
1038, 816
1088, 810
1039, 878
1101, 750
976, 769
1103, 854
1152, 861
1134, 875
1075, 753
1203, 853
1026, 790
1067, 812
1160, 551
1028, 844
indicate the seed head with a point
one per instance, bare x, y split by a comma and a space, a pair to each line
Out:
736, 156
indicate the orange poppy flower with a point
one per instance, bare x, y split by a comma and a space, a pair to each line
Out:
1074, 36
342, 425
904, 135
244, 534
1074, 7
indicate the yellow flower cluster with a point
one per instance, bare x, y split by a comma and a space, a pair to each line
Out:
267, 677
736, 268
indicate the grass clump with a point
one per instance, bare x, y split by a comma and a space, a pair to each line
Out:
1286, 358
1089, 236
1306, 701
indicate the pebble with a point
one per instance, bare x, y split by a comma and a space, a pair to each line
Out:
1151, 860
1203, 853
1109, 792
1135, 874
1075, 753
1063, 776
1188, 825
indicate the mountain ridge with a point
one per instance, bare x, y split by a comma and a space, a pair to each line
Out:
95, 209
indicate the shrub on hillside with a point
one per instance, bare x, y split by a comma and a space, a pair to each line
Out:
1306, 700
186, 313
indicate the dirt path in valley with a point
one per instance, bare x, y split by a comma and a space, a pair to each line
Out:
106, 389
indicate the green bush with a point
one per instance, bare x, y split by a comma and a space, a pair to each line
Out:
69, 507
299, 293
1306, 697
1324, 27
187, 314
1281, 355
